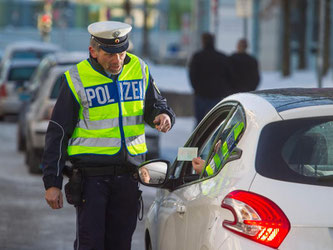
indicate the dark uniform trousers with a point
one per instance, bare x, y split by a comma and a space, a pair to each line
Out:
107, 218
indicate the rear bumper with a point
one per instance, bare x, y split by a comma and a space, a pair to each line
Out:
305, 238
10, 106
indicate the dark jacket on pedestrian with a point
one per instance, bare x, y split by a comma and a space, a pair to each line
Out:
245, 72
62, 125
210, 74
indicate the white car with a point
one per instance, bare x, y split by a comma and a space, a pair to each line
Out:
40, 77
27, 50
266, 180
14, 80
38, 116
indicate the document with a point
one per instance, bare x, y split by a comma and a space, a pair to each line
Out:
187, 154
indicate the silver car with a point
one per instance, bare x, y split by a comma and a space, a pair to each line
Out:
38, 116
14, 80
40, 77
27, 50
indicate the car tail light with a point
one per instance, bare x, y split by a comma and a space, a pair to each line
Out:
256, 218
3, 90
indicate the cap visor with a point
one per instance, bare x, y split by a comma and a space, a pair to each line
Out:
115, 49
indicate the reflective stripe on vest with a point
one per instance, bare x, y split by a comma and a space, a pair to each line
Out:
109, 110
227, 147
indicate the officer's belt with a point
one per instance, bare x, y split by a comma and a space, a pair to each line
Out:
111, 170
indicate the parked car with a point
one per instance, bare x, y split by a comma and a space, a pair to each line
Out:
38, 116
13, 82
267, 186
40, 77
27, 50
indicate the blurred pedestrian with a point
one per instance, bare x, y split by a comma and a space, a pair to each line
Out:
210, 76
98, 121
245, 69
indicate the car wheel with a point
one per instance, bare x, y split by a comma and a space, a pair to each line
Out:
33, 161
27, 154
148, 241
20, 140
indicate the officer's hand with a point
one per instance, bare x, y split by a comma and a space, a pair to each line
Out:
162, 123
53, 197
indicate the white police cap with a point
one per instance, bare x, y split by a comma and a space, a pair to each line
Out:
111, 36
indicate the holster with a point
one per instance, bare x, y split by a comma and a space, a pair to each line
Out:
74, 188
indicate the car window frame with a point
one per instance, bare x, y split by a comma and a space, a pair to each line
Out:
217, 137
198, 137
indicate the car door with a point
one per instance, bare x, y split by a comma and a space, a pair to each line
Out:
204, 212
173, 213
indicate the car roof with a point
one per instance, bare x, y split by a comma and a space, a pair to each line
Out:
291, 98
67, 57
27, 45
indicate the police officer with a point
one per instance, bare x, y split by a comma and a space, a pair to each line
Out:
98, 122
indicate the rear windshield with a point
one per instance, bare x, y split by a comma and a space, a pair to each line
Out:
297, 151
21, 74
29, 54
56, 89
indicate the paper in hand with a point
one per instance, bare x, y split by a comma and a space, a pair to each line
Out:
187, 154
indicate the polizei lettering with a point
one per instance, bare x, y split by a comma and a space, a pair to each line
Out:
105, 94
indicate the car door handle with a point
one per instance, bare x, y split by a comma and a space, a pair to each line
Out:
181, 209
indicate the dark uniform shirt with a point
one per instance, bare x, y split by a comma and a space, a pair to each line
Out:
63, 122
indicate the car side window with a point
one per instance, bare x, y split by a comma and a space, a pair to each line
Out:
205, 138
224, 145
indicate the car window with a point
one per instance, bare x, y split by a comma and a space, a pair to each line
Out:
56, 88
300, 151
224, 143
205, 137
29, 54
20, 73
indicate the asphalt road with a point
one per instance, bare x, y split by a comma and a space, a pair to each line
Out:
26, 222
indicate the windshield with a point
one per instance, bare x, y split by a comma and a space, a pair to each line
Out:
297, 151
21, 74
29, 54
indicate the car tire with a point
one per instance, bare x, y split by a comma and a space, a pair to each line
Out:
148, 241
33, 161
20, 141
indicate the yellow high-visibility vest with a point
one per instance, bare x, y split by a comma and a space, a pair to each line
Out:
111, 112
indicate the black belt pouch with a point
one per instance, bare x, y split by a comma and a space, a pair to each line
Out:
74, 188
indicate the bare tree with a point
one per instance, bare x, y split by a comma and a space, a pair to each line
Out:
327, 35
302, 7
285, 6
145, 38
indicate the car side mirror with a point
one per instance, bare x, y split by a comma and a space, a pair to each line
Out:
153, 173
